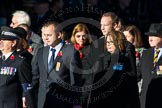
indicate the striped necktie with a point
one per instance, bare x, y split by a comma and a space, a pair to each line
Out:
156, 56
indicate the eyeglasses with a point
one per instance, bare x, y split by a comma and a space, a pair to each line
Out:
78, 36
109, 42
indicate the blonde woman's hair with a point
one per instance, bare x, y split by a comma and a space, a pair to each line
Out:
79, 28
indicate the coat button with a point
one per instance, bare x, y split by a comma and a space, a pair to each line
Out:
152, 72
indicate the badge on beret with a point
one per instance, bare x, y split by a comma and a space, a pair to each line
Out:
159, 70
58, 64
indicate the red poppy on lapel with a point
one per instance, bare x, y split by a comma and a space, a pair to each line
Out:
30, 49
12, 57
81, 55
59, 54
137, 54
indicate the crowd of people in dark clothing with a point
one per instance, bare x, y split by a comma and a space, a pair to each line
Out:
138, 12
80, 54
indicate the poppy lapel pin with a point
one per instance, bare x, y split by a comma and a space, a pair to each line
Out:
12, 57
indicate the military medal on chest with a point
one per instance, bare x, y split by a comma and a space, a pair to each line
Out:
159, 70
58, 64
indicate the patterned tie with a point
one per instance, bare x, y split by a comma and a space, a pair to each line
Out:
156, 56
50, 64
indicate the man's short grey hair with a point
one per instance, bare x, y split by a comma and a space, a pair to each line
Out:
24, 17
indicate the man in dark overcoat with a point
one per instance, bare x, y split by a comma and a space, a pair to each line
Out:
150, 68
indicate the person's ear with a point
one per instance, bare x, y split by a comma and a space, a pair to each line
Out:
60, 35
13, 43
115, 25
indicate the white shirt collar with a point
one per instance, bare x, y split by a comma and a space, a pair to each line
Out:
57, 48
7, 55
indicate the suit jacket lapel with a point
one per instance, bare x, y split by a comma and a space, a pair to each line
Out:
1, 59
114, 61
55, 61
10, 59
45, 57
150, 58
159, 61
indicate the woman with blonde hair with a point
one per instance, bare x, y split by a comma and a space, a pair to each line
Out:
81, 29
81, 39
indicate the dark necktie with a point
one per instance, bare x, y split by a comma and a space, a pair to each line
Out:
50, 64
2, 59
156, 56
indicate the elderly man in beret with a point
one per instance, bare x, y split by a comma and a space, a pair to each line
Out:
15, 73
151, 69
